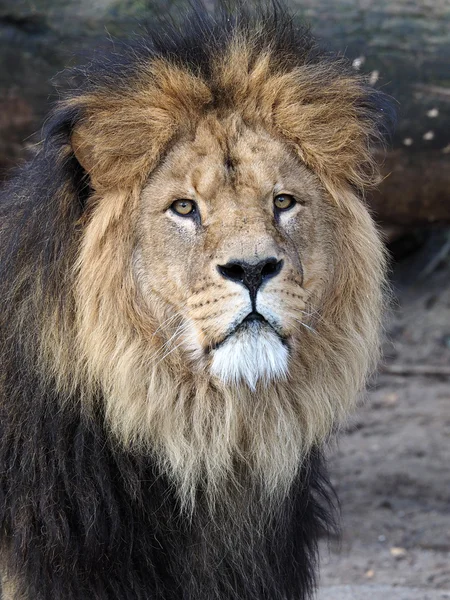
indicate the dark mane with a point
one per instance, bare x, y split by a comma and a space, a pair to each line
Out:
199, 38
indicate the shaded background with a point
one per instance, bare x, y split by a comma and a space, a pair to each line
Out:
391, 465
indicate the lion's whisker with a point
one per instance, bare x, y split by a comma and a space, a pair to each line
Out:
166, 323
308, 327
168, 353
179, 331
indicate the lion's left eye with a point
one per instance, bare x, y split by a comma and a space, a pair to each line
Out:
284, 201
184, 208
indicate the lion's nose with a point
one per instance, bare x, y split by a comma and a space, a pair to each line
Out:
252, 276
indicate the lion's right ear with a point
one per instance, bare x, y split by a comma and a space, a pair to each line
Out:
83, 148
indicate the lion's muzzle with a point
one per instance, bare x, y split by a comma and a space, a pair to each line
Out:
254, 351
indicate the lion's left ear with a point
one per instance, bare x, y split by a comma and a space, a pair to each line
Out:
82, 148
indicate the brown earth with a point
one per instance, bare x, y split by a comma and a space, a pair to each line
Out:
391, 465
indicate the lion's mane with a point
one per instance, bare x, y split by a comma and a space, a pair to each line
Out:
116, 477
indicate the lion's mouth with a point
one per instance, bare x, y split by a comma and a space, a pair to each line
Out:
253, 322
252, 350
254, 317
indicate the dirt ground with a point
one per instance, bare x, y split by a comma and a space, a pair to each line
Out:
391, 465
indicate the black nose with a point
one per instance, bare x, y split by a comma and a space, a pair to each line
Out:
251, 275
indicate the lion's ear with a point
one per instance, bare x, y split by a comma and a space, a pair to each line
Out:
82, 148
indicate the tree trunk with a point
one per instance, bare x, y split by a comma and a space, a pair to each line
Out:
403, 46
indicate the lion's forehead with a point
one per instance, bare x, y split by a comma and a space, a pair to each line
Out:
227, 162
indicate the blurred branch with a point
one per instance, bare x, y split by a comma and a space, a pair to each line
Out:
416, 370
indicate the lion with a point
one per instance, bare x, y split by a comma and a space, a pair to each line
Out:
191, 295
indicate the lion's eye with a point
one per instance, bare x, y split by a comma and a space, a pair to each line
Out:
284, 201
184, 208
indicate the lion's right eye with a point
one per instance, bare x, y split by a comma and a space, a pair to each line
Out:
284, 202
185, 208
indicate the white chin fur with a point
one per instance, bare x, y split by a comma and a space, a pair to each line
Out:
251, 354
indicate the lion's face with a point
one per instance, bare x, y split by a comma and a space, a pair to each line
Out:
233, 237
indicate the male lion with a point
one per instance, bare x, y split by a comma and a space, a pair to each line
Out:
191, 289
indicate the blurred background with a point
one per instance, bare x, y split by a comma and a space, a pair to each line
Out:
391, 466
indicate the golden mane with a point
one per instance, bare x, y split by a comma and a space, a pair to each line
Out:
321, 109
323, 112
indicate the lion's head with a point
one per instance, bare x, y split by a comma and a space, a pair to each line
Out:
226, 277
